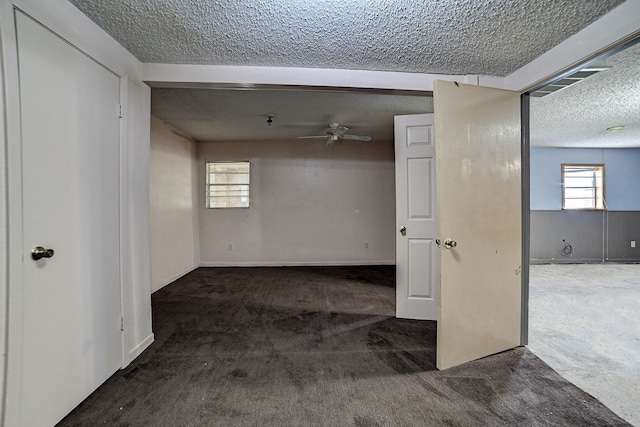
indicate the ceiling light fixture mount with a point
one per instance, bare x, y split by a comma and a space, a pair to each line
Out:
270, 117
615, 128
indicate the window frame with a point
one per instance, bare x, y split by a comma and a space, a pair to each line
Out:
208, 184
599, 199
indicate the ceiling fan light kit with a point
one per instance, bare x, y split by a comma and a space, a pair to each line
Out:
335, 132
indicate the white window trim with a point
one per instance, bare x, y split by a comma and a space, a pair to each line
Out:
209, 185
598, 187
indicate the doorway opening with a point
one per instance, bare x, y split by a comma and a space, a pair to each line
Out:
584, 261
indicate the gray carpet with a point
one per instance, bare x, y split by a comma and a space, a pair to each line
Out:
318, 346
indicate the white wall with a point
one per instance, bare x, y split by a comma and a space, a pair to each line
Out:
134, 160
173, 223
309, 205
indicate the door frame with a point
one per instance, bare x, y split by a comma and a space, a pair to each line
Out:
526, 216
12, 362
525, 110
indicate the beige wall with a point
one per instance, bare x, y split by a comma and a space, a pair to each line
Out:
173, 221
310, 204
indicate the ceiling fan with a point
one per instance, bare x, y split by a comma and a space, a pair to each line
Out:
335, 132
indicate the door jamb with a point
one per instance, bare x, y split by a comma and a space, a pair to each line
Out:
526, 223
123, 218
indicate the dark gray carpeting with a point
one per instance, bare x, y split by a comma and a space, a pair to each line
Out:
318, 346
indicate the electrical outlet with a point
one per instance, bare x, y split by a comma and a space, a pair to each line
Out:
230, 247
366, 245
633, 243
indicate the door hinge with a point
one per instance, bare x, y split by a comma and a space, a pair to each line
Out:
122, 323
121, 111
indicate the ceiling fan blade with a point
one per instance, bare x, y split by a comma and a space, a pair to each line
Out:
313, 137
356, 137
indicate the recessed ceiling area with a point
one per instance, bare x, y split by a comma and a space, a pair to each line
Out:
580, 114
241, 115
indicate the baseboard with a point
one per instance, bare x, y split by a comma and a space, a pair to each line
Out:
584, 261
142, 346
566, 261
174, 278
295, 264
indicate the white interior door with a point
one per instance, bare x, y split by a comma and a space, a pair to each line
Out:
480, 208
416, 226
71, 308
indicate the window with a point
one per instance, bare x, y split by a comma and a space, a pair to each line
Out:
583, 187
227, 184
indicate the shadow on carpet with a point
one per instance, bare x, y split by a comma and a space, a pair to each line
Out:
318, 346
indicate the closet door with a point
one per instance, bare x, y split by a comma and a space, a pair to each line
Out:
71, 308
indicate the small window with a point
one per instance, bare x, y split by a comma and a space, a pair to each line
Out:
227, 184
583, 187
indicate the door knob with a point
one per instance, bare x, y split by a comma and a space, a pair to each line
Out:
449, 244
403, 230
39, 252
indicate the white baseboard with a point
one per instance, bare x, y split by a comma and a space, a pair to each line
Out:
295, 263
173, 279
142, 346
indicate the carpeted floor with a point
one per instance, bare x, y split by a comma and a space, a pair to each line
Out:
318, 346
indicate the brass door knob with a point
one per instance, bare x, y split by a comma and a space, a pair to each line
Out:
450, 244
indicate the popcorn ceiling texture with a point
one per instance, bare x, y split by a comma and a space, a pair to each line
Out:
489, 37
580, 114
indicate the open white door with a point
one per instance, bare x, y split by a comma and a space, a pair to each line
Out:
416, 226
479, 207
70, 340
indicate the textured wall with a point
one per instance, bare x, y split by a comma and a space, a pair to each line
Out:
173, 203
310, 204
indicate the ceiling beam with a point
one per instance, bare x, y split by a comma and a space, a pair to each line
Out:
244, 77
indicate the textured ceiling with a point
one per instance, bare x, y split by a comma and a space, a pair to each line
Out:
579, 115
236, 115
576, 116
490, 37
